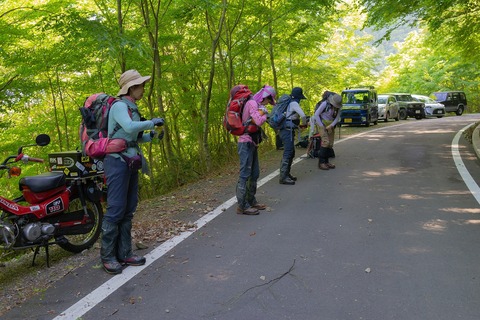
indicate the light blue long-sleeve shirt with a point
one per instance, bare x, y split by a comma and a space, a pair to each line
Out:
129, 124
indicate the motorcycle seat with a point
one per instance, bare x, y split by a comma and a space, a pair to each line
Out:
43, 182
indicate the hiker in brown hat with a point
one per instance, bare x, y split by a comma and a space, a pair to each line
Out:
121, 172
326, 117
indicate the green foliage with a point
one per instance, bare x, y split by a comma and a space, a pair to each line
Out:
53, 54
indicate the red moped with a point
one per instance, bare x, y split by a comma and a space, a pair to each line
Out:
53, 209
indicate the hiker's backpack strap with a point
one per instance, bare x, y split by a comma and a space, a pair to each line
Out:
131, 110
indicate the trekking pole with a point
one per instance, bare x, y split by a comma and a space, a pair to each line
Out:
339, 128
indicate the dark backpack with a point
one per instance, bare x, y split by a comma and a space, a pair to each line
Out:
232, 121
94, 137
325, 97
314, 144
279, 112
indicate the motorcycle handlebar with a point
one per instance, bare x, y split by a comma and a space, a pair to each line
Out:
25, 158
35, 159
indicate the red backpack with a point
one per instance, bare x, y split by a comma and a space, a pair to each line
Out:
232, 121
96, 142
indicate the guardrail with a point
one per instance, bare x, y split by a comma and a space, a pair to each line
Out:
476, 140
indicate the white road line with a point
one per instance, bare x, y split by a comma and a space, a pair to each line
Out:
469, 181
88, 302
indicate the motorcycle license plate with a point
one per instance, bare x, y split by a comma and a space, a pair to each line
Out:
347, 120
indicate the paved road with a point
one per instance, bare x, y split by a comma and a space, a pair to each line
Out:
392, 233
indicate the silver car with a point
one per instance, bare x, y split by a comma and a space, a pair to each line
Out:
432, 107
387, 107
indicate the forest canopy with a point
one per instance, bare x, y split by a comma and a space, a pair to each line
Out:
53, 54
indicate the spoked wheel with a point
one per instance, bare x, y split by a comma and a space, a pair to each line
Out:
402, 114
78, 242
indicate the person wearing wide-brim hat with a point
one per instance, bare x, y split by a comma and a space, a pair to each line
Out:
121, 172
295, 118
326, 117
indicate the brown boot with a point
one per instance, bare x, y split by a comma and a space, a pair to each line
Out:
323, 166
249, 211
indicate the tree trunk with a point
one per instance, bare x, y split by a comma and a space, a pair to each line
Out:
122, 61
64, 112
215, 41
55, 112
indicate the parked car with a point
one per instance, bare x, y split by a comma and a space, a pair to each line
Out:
454, 101
360, 106
387, 107
432, 107
408, 106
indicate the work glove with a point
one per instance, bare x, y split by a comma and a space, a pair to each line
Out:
161, 134
153, 134
158, 121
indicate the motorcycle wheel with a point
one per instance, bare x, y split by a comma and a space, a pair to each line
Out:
79, 242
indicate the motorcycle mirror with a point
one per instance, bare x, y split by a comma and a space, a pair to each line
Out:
14, 171
42, 140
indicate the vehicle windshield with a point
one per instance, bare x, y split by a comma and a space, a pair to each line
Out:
382, 100
404, 97
355, 97
441, 96
424, 99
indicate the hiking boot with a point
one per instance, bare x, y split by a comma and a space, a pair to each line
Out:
249, 211
112, 267
287, 180
330, 165
292, 177
323, 166
259, 206
134, 261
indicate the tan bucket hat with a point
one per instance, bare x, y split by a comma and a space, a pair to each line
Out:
335, 100
129, 79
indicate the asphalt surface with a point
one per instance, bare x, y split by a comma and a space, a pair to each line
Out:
391, 233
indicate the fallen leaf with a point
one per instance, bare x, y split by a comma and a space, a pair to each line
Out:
140, 245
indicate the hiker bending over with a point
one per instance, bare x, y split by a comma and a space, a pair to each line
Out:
327, 117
